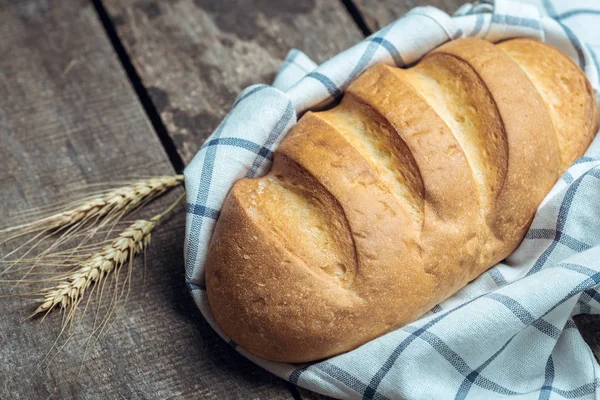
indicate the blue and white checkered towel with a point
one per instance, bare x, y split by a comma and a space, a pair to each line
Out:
508, 333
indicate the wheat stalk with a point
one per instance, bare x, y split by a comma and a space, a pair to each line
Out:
133, 240
125, 198
84, 217
75, 271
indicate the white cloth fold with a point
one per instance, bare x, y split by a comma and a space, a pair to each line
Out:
508, 333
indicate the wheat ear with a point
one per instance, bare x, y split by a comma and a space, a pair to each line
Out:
67, 293
83, 218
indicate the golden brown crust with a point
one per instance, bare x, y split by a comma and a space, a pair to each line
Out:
533, 158
380, 208
436, 151
565, 90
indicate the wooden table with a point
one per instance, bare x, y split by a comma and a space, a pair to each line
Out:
94, 91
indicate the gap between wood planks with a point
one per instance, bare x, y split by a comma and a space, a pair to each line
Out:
151, 110
138, 87
357, 16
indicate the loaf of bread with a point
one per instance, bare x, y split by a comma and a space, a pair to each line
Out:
385, 205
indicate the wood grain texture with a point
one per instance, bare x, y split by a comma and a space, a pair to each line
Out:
195, 56
379, 13
68, 116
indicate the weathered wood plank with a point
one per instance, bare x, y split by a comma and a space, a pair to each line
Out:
69, 116
195, 56
379, 13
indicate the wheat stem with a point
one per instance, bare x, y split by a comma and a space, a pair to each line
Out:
98, 211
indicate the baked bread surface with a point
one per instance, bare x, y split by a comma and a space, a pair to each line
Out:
385, 205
